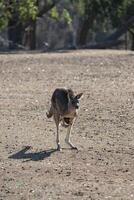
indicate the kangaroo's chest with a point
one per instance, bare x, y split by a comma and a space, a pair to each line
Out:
70, 113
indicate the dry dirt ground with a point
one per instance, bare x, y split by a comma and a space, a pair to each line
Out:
30, 167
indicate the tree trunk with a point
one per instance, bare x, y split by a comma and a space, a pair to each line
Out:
29, 39
15, 30
113, 39
132, 40
84, 29
121, 30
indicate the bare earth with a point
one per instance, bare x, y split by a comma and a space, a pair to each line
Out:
103, 168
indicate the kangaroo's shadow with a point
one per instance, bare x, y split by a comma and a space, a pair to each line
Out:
35, 156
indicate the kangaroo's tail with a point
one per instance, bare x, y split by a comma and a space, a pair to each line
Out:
50, 113
65, 122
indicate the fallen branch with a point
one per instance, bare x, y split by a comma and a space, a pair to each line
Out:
104, 45
113, 39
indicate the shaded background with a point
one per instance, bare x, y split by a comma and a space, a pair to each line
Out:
68, 24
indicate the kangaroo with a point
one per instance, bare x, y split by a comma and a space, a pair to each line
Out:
64, 106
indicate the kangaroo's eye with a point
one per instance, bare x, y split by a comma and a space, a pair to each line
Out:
72, 101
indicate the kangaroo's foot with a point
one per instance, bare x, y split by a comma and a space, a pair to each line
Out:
71, 145
59, 147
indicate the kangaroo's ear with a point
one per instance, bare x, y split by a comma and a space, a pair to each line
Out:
78, 96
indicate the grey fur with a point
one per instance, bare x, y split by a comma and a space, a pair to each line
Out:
64, 105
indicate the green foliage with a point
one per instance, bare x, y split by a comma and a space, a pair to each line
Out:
105, 11
27, 10
80, 6
126, 9
21, 10
4, 15
66, 16
102, 11
54, 13
121, 10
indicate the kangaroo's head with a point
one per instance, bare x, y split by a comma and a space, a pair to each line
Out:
74, 99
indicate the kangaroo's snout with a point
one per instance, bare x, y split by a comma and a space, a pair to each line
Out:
77, 107
75, 103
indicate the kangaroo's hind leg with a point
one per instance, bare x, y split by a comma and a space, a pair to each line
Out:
67, 139
57, 121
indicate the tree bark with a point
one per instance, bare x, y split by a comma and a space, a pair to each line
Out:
132, 39
19, 34
15, 31
29, 38
84, 29
82, 37
48, 7
132, 46
104, 45
113, 39
121, 30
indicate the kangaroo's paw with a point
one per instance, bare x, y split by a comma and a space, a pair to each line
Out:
74, 148
71, 145
59, 148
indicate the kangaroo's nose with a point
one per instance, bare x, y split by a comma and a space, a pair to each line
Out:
76, 106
